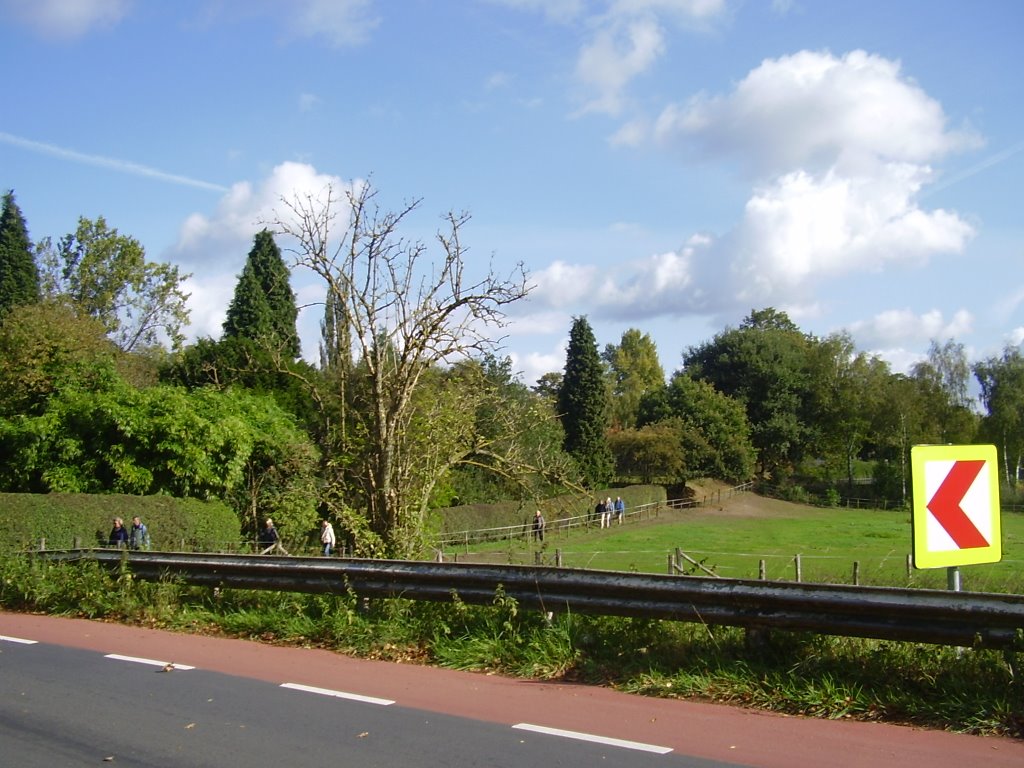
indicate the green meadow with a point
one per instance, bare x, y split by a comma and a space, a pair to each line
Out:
732, 540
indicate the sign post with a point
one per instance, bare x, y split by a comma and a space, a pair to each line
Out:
956, 507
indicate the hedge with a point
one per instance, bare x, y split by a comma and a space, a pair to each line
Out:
64, 519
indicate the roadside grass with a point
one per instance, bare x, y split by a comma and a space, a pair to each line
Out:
968, 690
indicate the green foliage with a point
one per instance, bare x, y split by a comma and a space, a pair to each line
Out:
105, 275
239, 361
653, 453
1002, 394
516, 450
583, 406
47, 347
635, 370
63, 518
763, 365
19, 276
263, 307
711, 428
114, 438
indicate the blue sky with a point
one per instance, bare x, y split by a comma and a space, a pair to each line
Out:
667, 165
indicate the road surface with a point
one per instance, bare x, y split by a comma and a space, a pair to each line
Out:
77, 692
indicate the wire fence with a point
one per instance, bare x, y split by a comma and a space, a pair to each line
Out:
563, 527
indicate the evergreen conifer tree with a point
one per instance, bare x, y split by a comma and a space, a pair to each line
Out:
19, 275
583, 406
263, 307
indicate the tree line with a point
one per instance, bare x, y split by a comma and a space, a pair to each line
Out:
411, 407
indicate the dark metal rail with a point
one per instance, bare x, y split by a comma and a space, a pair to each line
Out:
918, 615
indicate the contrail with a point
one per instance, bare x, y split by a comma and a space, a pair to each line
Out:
123, 166
975, 169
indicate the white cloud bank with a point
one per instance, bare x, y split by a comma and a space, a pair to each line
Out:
838, 150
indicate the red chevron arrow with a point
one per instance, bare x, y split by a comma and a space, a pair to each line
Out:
945, 505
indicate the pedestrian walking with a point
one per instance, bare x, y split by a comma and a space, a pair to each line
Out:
327, 537
538, 526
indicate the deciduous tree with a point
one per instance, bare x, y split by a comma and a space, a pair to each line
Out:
635, 370
405, 313
763, 365
105, 275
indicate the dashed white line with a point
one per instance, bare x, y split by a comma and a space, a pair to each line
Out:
338, 694
7, 639
151, 662
639, 746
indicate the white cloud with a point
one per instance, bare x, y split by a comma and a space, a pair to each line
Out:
246, 209
616, 55
802, 228
903, 326
66, 19
532, 365
815, 111
342, 23
213, 246
210, 294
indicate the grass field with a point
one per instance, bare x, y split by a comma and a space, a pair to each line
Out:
733, 537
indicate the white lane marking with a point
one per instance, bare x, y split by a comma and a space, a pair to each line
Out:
151, 662
596, 739
7, 639
338, 694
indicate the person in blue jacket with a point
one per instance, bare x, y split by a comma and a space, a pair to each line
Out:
118, 534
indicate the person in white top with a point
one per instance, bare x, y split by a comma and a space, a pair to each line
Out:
327, 537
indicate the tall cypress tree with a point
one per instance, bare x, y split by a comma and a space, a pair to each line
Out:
263, 307
19, 276
583, 406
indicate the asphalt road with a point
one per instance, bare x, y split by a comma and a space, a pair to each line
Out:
87, 693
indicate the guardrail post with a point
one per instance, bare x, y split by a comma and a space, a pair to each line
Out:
42, 545
762, 571
671, 564
856, 573
76, 543
799, 568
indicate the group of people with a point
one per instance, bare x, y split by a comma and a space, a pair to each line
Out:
137, 537
269, 540
606, 509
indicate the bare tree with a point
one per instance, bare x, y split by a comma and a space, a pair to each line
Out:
405, 311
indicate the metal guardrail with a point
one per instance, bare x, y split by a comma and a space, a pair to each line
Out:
929, 616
